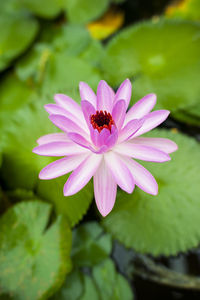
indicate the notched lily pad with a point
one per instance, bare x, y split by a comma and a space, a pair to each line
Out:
33, 259
90, 245
168, 223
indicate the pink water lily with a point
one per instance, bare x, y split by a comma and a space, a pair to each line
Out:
101, 140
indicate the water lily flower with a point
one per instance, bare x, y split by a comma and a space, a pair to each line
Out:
101, 139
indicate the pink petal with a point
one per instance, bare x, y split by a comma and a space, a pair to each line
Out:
119, 113
62, 166
59, 149
69, 105
79, 139
67, 125
162, 144
88, 110
111, 141
141, 108
119, 171
82, 175
141, 152
55, 109
104, 97
53, 137
103, 136
105, 189
124, 92
87, 93
129, 130
94, 134
143, 178
152, 120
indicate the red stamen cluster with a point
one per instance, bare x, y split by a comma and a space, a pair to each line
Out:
101, 120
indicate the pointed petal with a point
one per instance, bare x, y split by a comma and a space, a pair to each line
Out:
119, 171
105, 189
59, 149
88, 110
124, 92
69, 105
104, 97
53, 137
55, 109
143, 178
141, 108
52, 108
141, 152
161, 144
82, 175
62, 166
152, 120
103, 136
119, 113
67, 125
129, 130
87, 93
79, 139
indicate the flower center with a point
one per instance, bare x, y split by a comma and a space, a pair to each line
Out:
101, 120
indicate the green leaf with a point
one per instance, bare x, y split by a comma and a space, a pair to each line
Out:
18, 33
161, 57
90, 290
79, 11
187, 9
111, 285
73, 207
71, 39
13, 94
72, 288
33, 259
90, 245
59, 78
20, 167
44, 9
168, 223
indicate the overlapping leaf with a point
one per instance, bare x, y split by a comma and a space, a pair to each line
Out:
33, 260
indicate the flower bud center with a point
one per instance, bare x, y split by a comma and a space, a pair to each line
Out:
101, 120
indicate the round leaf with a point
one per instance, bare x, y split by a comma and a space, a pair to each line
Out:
79, 11
73, 207
33, 260
90, 245
161, 57
169, 222
17, 34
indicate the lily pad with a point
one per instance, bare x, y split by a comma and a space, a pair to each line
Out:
111, 285
33, 260
186, 9
73, 207
104, 282
20, 167
160, 57
44, 9
16, 27
170, 222
90, 245
79, 11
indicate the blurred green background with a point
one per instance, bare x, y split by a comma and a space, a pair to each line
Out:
59, 248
